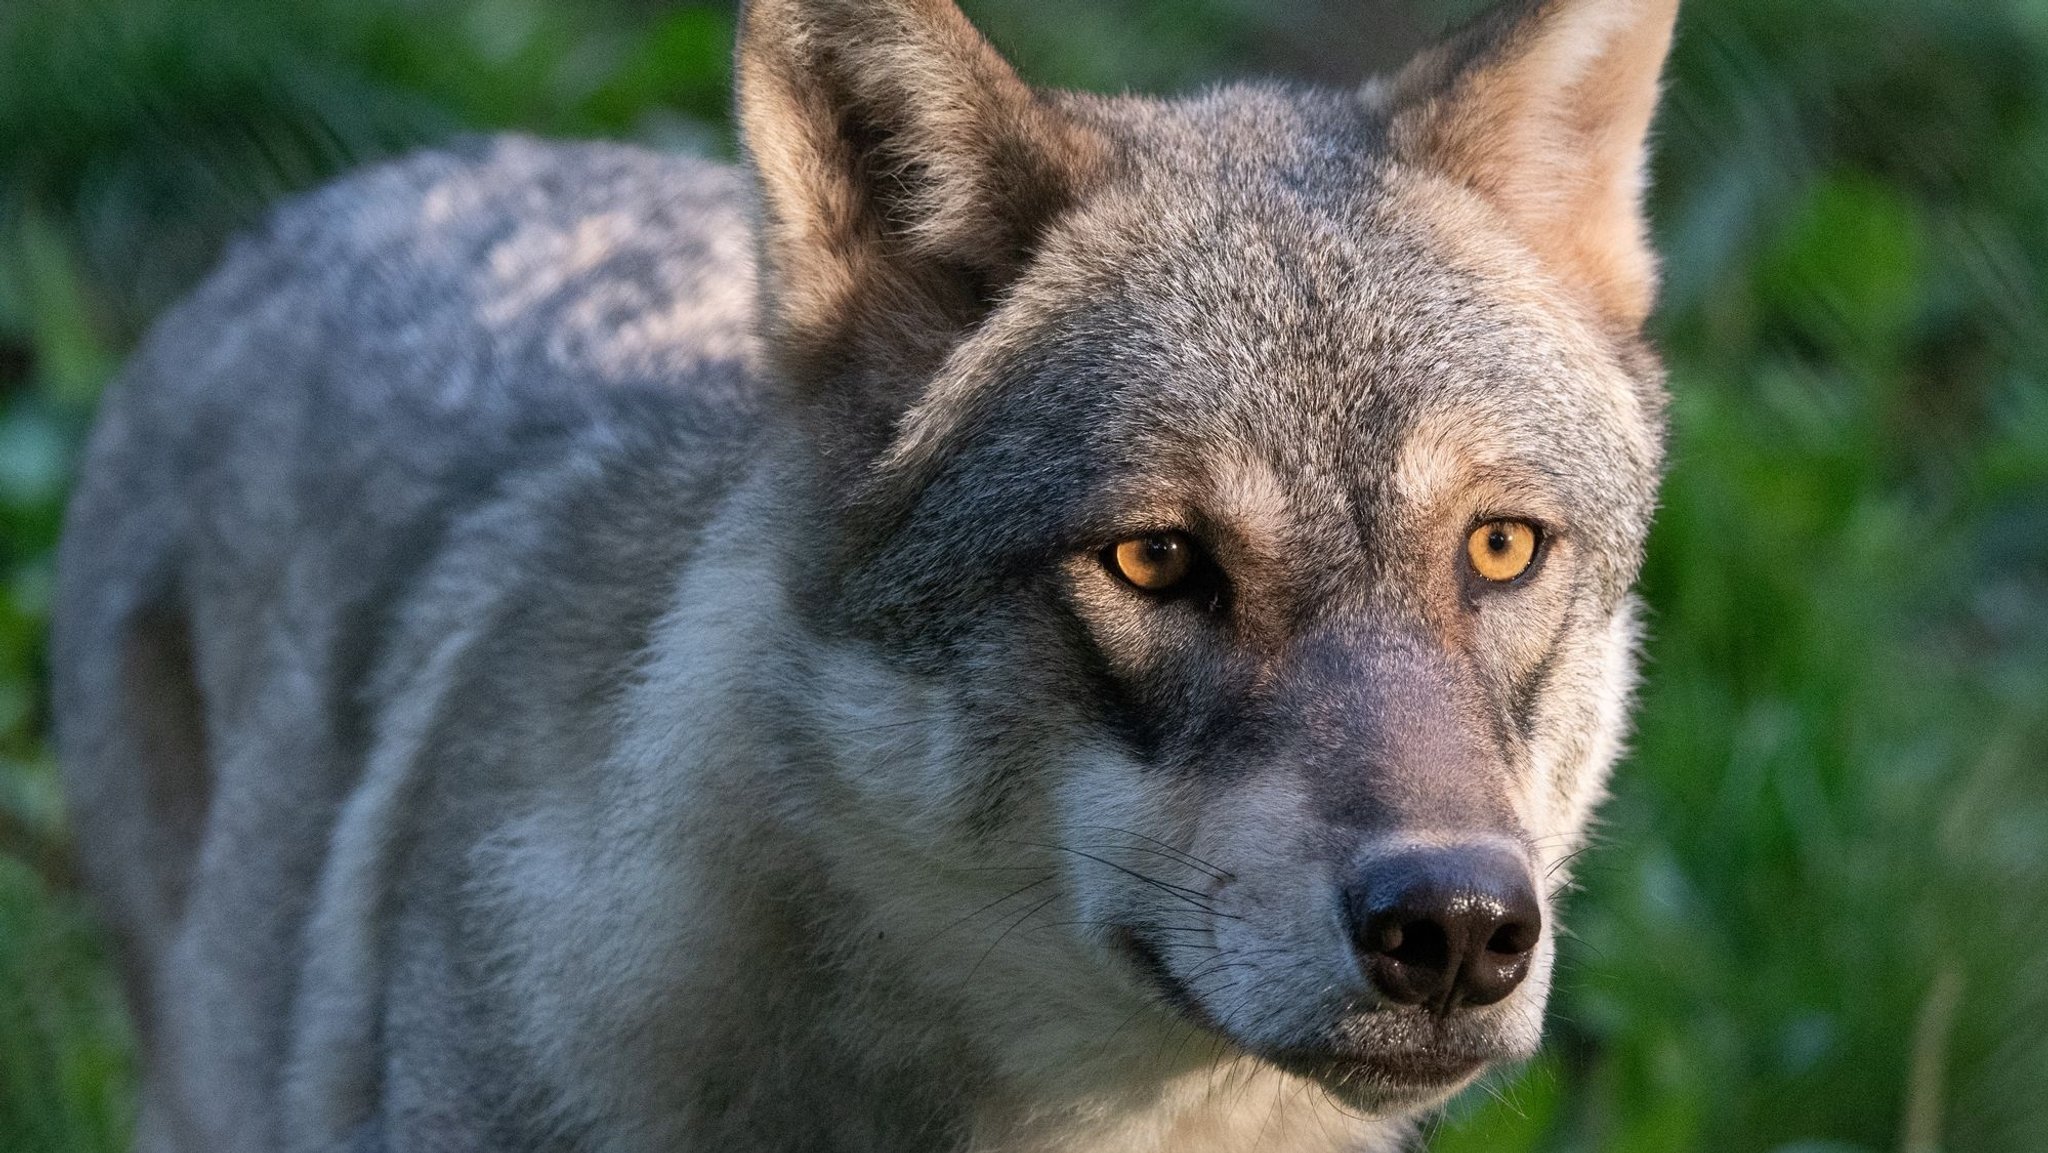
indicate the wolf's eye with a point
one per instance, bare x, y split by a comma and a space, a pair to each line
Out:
1502, 550
1155, 563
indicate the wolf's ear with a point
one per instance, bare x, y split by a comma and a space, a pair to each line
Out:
905, 174
1544, 107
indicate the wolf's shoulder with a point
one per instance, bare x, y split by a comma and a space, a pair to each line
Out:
594, 262
470, 283
418, 339
448, 317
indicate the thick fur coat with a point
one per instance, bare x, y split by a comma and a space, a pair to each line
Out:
567, 648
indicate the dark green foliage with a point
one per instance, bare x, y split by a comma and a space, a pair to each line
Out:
1816, 922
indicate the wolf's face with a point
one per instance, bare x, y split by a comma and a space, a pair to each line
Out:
1240, 502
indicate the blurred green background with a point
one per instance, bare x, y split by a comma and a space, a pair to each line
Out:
1818, 919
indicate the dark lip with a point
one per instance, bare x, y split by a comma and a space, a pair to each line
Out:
1409, 1071
1402, 1073
1160, 979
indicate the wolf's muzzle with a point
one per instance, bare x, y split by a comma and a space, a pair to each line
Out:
1445, 928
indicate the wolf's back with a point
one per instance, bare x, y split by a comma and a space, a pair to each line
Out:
285, 459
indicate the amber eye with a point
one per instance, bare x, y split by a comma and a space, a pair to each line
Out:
1502, 550
1154, 563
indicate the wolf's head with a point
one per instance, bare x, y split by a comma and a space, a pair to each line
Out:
1225, 511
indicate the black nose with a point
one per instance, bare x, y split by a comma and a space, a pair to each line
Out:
1445, 927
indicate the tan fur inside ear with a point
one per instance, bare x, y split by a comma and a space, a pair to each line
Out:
1548, 114
905, 170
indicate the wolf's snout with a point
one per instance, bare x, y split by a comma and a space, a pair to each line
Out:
1445, 928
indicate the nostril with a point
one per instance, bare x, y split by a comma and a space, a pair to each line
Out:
1382, 933
1421, 944
1408, 958
1514, 938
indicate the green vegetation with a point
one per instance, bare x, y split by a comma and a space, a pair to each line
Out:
1819, 919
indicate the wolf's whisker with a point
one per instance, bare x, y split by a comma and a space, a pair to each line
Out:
1186, 857
1193, 897
1561, 862
1005, 899
1103, 924
1164, 856
1004, 935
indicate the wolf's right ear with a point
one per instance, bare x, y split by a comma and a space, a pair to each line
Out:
905, 174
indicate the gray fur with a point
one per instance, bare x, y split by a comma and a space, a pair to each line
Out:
515, 699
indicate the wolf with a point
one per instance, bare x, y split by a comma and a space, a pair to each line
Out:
1014, 620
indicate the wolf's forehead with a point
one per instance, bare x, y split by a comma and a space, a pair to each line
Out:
1322, 346
1340, 321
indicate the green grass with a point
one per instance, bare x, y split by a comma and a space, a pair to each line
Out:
1819, 919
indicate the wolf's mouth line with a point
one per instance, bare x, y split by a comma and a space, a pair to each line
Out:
1159, 976
1410, 1068
1421, 1069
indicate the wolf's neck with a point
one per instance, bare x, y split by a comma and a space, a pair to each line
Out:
814, 973
841, 1051
853, 1032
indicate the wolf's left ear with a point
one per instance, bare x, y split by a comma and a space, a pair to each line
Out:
905, 175
1544, 107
